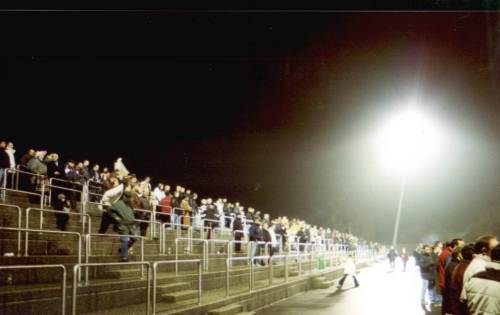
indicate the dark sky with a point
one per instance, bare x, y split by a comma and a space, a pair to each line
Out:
268, 109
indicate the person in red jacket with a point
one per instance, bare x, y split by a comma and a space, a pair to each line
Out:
445, 258
165, 208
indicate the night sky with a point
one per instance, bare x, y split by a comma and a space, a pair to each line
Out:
269, 109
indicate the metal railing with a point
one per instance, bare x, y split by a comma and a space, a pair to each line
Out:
155, 268
77, 268
63, 280
204, 252
83, 216
164, 235
88, 249
19, 224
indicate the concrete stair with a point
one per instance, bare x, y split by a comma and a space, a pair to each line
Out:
179, 296
322, 283
231, 309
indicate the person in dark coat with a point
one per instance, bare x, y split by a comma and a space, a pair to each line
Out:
211, 217
238, 233
123, 215
456, 257
428, 270
144, 205
64, 206
457, 307
257, 235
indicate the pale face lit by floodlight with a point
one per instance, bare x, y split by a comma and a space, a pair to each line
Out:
408, 140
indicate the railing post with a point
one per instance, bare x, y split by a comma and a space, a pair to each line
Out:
75, 286
251, 274
155, 265
286, 268
142, 258
270, 271
176, 257
227, 277
199, 282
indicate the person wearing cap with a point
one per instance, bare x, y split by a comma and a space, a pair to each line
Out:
238, 232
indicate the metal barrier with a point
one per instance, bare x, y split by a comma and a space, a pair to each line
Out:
84, 216
230, 247
50, 186
250, 271
88, 249
30, 193
178, 234
19, 224
77, 267
16, 173
155, 267
63, 280
204, 253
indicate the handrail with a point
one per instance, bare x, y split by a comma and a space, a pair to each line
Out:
204, 253
58, 211
63, 280
77, 267
25, 192
88, 248
45, 231
19, 224
155, 267
250, 271
163, 238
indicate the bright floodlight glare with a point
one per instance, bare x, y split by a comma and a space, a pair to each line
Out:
408, 140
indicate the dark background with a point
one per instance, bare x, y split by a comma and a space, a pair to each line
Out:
265, 108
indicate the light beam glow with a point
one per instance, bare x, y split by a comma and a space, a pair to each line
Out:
408, 140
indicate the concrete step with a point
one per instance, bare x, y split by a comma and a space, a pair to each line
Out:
231, 309
123, 273
246, 313
179, 296
172, 287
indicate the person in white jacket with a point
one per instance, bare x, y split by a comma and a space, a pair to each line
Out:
483, 288
349, 270
482, 249
110, 197
11, 153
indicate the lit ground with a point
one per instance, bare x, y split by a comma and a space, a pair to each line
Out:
380, 293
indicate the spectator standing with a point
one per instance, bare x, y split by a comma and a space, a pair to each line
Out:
256, 235
238, 233
428, 270
404, 258
456, 257
456, 283
64, 207
482, 251
11, 154
444, 259
392, 258
4, 162
186, 212
483, 288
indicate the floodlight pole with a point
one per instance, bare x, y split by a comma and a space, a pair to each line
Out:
400, 206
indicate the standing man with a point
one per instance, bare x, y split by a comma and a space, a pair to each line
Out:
483, 288
427, 265
482, 255
4, 163
392, 258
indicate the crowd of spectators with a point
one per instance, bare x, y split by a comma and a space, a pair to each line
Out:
464, 279
121, 195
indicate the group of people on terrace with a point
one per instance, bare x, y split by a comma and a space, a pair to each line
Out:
121, 196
